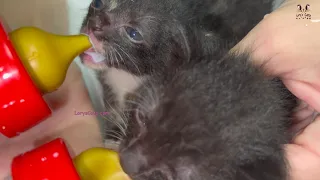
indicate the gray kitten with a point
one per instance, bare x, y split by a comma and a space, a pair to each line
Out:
218, 119
197, 112
144, 37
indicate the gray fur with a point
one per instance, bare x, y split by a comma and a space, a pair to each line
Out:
199, 113
214, 120
167, 28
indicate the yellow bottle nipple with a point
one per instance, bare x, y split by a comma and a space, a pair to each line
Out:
47, 56
99, 164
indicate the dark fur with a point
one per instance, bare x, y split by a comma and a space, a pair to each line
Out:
164, 25
167, 27
219, 120
202, 115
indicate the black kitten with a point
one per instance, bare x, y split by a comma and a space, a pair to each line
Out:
143, 37
214, 120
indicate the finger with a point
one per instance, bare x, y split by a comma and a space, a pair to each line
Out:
10, 149
310, 137
304, 165
4, 24
273, 45
302, 117
301, 105
305, 92
303, 113
297, 128
304, 155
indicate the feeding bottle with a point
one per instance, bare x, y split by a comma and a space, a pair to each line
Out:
52, 161
32, 63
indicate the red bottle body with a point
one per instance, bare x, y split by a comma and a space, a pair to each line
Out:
22, 107
21, 103
50, 161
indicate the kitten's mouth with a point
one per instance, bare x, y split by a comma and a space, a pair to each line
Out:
93, 57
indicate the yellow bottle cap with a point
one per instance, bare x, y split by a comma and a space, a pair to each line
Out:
99, 164
47, 56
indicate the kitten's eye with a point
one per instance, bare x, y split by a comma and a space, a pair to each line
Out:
97, 4
134, 34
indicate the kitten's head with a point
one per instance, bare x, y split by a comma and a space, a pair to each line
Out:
138, 36
160, 136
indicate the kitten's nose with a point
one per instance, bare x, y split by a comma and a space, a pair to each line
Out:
132, 161
99, 22
129, 163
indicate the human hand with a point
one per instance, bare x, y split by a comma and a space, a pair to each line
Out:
289, 48
80, 132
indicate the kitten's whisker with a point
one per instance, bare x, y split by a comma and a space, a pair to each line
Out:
139, 105
150, 18
124, 119
114, 133
114, 136
150, 100
154, 95
140, 98
115, 54
129, 109
112, 56
120, 126
136, 103
121, 59
129, 57
138, 95
111, 119
117, 123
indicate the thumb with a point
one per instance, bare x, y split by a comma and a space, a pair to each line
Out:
305, 91
304, 165
304, 154
4, 24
